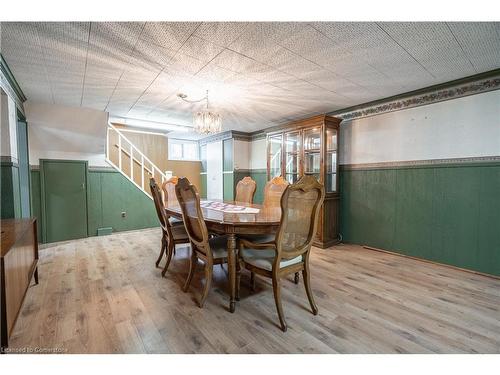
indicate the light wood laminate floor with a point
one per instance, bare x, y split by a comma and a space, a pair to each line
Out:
104, 295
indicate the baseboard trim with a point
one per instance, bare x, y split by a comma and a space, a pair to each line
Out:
432, 262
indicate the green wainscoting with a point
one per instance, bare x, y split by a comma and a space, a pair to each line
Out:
36, 201
203, 181
10, 194
260, 177
445, 213
109, 194
228, 186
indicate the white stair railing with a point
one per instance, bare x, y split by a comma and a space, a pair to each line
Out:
116, 140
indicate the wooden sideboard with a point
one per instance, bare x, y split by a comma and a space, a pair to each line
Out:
18, 265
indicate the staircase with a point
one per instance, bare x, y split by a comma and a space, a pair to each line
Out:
131, 162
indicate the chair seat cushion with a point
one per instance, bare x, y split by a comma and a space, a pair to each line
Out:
179, 233
264, 258
259, 238
175, 221
218, 246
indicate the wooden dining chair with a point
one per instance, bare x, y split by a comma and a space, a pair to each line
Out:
273, 191
245, 190
272, 198
210, 250
171, 235
168, 187
169, 197
289, 252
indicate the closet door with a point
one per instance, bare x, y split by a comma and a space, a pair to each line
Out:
64, 199
215, 181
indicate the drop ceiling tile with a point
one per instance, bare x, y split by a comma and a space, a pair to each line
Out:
147, 54
234, 61
171, 35
200, 49
115, 39
480, 42
214, 73
433, 45
253, 45
306, 42
221, 33
185, 64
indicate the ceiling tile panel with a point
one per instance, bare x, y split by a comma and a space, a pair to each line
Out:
433, 45
200, 49
221, 33
480, 42
171, 35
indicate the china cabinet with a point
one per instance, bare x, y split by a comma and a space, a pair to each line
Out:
310, 147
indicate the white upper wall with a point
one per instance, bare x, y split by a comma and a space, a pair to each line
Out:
258, 152
241, 157
60, 132
464, 127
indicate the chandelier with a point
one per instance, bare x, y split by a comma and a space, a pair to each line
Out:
205, 122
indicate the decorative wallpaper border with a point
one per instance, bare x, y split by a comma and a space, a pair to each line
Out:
452, 92
420, 163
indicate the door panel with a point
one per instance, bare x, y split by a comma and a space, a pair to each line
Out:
64, 195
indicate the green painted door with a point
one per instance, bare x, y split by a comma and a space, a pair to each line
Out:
64, 199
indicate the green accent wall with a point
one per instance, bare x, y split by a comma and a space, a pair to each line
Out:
203, 181
10, 194
36, 201
203, 170
109, 194
228, 181
260, 177
445, 213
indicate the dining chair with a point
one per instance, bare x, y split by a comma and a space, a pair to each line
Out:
169, 197
289, 252
245, 190
171, 235
168, 187
273, 191
210, 250
272, 198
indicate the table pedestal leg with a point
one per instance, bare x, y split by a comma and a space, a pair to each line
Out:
231, 265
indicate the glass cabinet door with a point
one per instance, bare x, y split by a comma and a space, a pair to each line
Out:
331, 161
312, 155
292, 156
275, 156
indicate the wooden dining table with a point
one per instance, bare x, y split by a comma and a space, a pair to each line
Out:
232, 224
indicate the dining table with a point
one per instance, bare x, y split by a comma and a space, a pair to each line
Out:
262, 220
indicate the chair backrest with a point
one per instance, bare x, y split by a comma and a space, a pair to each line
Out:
189, 200
168, 187
160, 210
300, 206
273, 191
245, 190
